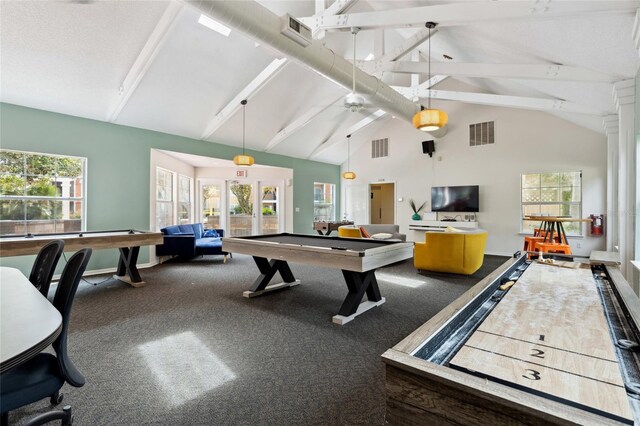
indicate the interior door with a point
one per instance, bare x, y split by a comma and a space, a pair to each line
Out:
382, 203
375, 210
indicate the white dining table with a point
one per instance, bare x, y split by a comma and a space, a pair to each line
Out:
28, 321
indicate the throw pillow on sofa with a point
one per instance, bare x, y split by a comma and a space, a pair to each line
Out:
364, 232
210, 233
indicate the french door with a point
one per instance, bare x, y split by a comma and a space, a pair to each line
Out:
242, 208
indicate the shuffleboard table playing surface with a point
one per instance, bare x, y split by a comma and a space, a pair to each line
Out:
561, 348
357, 258
533, 343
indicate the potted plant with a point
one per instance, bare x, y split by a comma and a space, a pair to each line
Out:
416, 210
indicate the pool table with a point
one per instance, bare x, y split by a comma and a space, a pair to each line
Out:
357, 258
127, 241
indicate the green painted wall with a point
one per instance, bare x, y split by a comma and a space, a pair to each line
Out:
118, 161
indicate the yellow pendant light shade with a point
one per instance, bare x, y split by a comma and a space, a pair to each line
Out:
348, 175
430, 119
243, 159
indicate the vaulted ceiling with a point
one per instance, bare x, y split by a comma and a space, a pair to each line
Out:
151, 64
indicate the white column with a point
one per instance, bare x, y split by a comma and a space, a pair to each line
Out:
610, 123
624, 97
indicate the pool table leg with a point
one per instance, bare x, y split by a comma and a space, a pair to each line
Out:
127, 265
268, 269
358, 284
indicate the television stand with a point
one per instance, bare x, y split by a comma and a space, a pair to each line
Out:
440, 225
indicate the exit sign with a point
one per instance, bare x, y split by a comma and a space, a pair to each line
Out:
241, 173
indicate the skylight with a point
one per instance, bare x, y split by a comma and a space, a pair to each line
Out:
214, 25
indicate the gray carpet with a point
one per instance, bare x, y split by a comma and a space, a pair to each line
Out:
189, 349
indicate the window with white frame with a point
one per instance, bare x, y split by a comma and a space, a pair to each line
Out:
164, 198
552, 194
184, 199
324, 201
41, 193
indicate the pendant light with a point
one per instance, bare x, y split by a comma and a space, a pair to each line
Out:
430, 119
243, 159
348, 175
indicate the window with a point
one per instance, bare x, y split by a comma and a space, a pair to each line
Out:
164, 198
41, 193
324, 201
553, 194
184, 199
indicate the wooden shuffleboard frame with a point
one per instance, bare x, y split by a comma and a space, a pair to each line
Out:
423, 391
127, 241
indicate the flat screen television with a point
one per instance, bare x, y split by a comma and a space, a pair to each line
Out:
455, 198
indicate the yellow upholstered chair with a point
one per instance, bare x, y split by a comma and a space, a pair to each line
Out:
349, 231
455, 252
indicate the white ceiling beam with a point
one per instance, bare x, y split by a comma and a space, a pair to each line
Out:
467, 13
539, 104
256, 84
413, 93
375, 67
338, 7
145, 59
298, 123
636, 31
524, 71
336, 139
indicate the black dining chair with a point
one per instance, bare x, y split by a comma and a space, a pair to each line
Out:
45, 265
43, 375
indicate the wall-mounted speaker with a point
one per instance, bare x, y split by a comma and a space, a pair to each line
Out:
428, 147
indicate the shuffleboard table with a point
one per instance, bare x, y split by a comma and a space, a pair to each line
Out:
357, 258
127, 241
534, 343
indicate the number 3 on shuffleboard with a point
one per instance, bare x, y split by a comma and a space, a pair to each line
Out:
532, 374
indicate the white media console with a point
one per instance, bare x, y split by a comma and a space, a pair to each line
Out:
440, 225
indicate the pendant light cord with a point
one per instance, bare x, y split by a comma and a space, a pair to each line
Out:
244, 107
429, 88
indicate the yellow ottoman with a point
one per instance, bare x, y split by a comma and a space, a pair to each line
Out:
349, 231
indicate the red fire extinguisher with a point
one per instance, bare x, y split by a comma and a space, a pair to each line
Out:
597, 224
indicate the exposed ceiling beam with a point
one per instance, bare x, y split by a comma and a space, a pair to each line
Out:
524, 71
422, 90
336, 139
298, 123
468, 13
225, 113
338, 7
375, 67
507, 101
145, 59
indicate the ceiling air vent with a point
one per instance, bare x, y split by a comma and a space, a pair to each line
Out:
380, 148
295, 30
481, 133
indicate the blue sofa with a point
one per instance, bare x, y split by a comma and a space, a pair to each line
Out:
191, 240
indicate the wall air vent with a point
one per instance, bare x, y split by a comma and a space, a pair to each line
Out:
380, 148
295, 30
482, 133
